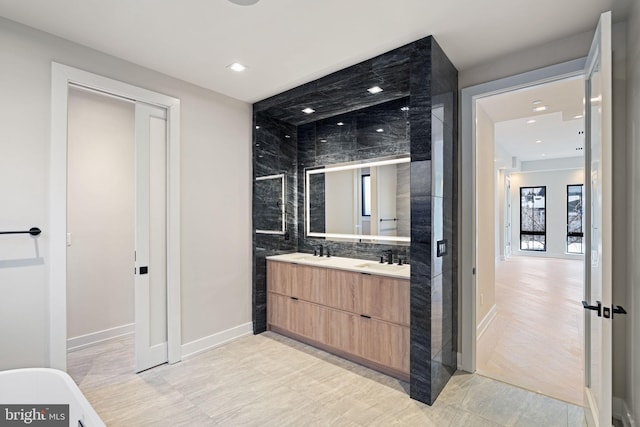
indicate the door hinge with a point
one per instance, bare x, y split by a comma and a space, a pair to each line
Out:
473, 271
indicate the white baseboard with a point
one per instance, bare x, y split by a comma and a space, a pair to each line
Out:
486, 321
206, 343
83, 341
622, 412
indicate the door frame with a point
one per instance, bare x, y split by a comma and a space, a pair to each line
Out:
61, 77
468, 201
506, 225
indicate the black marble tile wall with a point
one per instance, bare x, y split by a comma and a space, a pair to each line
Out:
274, 152
316, 203
368, 133
433, 117
269, 199
414, 115
445, 96
343, 91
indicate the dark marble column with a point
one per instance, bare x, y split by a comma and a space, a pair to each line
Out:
274, 152
433, 220
415, 114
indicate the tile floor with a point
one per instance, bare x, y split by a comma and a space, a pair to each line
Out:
270, 380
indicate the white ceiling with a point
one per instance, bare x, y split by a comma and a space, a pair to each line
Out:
556, 132
289, 42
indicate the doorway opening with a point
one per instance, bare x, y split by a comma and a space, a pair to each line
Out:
530, 262
116, 218
497, 237
146, 102
100, 231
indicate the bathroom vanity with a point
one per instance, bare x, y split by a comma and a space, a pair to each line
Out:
354, 308
363, 162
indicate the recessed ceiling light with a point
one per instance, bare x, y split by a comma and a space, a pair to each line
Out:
579, 116
237, 67
374, 89
244, 2
323, 140
543, 154
287, 136
540, 108
379, 130
538, 141
531, 121
404, 109
340, 124
308, 110
537, 102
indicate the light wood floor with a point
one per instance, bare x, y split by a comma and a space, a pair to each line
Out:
270, 380
536, 339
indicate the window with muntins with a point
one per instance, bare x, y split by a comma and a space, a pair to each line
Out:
533, 218
366, 195
575, 233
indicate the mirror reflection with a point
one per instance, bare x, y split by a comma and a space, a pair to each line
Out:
365, 201
269, 195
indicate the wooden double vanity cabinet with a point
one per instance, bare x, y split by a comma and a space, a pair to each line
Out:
357, 310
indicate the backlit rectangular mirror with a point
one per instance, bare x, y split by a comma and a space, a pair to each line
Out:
270, 198
363, 201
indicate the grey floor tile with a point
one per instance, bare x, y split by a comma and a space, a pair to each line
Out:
271, 380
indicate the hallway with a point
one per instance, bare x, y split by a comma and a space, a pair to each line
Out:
536, 339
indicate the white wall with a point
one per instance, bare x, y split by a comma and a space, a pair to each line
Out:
632, 365
100, 213
486, 213
386, 184
340, 210
524, 60
499, 221
502, 162
621, 206
216, 192
556, 208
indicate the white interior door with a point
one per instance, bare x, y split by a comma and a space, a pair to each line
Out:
598, 168
507, 217
150, 241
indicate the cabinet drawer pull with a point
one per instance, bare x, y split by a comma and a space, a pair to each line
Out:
294, 298
365, 316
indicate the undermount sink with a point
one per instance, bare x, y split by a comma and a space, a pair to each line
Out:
311, 258
381, 267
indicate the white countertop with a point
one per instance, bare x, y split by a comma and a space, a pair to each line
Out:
348, 264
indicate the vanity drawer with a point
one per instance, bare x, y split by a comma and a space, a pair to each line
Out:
308, 283
386, 298
280, 275
344, 290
